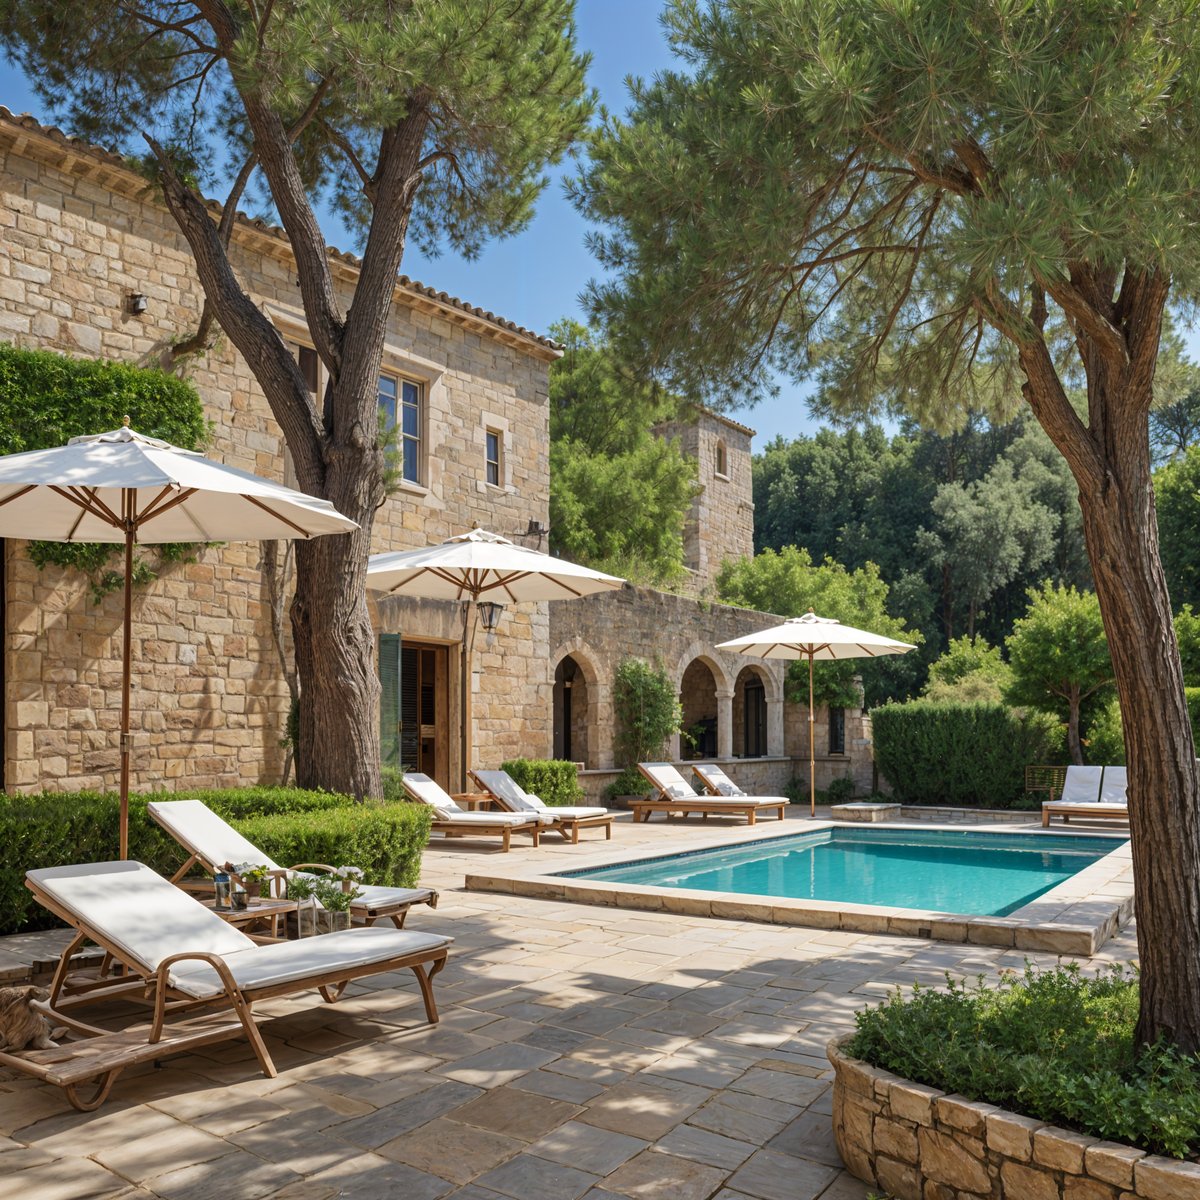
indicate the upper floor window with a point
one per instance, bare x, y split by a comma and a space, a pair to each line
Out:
400, 405
722, 459
492, 457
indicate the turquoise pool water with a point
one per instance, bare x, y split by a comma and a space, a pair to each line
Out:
981, 874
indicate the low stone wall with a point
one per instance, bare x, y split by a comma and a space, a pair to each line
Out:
917, 1143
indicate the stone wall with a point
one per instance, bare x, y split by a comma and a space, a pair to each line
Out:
917, 1143
677, 632
720, 524
78, 234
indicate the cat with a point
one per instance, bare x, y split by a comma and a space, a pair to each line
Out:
21, 1025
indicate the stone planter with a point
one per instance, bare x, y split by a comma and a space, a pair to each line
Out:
917, 1143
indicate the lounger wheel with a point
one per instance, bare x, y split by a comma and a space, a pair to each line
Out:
101, 1086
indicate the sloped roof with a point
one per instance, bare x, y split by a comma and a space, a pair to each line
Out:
27, 134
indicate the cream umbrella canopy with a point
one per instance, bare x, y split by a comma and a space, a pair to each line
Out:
481, 566
124, 487
818, 639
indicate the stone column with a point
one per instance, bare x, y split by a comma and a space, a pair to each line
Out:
775, 726
724, 724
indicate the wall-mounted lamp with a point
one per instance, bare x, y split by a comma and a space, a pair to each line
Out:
489, 614
537, 529
137, 303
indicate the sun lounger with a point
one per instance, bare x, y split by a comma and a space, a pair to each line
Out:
567, 820
454, 821
1095, 792
717, 783
213, 842
674, 796
182, 957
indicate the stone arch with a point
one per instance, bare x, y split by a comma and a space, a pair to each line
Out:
581, 711
702, 651
754, 690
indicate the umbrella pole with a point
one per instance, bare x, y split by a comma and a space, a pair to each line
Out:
812, 754
126, 673
467, 681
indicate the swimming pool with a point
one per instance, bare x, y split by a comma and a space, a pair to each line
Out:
974, 873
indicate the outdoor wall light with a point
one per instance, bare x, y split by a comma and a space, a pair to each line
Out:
137, 303
489, 614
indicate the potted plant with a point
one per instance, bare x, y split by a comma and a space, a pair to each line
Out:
255, 878
334, 899
303, 889
349, 877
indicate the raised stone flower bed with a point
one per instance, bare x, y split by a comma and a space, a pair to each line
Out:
917, 1143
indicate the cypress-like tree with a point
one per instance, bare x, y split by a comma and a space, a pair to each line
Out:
941, 207
413, 119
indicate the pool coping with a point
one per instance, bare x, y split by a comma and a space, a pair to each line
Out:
1076, 917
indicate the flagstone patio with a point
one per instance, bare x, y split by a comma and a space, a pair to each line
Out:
583, 1052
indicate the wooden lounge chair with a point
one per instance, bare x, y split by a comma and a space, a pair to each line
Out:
213, 842
717, 783
567, 820
180, 956
453, 821
1093, 792
676, 797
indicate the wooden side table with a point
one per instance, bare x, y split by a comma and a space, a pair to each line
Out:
259, 909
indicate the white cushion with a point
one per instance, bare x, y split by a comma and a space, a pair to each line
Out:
667, 779
377, 896
679, 791
140, 914
1114, 788
503, 787
308, 958
575, 812
430, 792
737, 801
1082, 785
209, 837
517, 820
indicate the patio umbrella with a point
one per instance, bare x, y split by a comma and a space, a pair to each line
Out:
814, 638
125, 487
480, 567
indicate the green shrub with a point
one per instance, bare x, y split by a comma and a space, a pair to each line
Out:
838, 792
385, 840
392, 779
961, 754
630, 782
1051, 1045
552, 781
55, 829
647, 711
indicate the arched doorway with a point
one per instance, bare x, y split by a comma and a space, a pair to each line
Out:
698, 697
571, 712
750, 714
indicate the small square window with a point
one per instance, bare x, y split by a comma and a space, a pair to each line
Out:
492, 457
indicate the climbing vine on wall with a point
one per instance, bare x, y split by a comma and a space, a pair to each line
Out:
47, 398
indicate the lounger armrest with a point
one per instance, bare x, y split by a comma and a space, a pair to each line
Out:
163, 984
312, 867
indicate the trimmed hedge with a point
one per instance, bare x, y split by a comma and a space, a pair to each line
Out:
554, 782
291, 825
972, 755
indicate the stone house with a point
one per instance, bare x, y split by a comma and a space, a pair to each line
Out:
80, 235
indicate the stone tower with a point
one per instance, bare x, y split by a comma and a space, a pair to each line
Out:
720, 524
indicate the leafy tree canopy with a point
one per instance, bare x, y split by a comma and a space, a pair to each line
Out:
619, 494
789, 583
1177, 501
969, 672
1059, 656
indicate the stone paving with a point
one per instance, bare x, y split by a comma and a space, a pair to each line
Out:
583, 1052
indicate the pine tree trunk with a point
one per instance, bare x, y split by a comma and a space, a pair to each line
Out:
1122, 539
338, 747
1074, 744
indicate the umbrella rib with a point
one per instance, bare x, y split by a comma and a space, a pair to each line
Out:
268, 509
17, 495
150, 512
88, 504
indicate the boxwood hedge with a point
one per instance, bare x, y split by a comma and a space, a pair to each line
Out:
973, 755
289, 824
551, 780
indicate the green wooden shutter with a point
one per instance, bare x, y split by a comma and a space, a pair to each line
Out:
389, 703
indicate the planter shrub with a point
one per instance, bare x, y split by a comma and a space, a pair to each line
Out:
290, 824
961, 754
1052, 1045
554, 782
